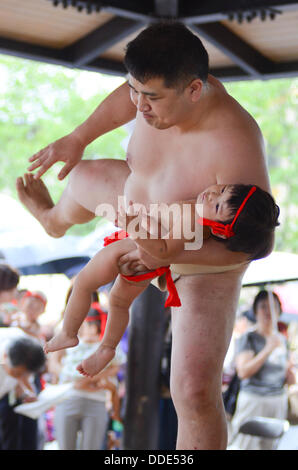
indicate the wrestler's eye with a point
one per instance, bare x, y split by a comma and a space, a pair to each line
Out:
217, 207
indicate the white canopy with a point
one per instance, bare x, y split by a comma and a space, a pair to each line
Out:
277, 267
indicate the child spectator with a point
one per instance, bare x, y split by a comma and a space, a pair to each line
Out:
20, 358
32, 305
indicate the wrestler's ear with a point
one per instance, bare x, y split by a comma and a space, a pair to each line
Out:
195, 89
218, 235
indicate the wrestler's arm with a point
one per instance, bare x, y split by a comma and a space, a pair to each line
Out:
163, 248
171, 240
212, 253
116, 110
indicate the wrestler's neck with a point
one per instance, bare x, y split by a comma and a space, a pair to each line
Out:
200, 113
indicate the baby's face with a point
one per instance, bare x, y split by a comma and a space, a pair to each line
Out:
214, 201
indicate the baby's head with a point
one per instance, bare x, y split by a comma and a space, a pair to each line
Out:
243, 217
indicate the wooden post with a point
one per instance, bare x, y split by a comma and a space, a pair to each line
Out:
146, 335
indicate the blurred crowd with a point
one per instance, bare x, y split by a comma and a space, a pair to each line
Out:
77, 412
260, 374
86, 413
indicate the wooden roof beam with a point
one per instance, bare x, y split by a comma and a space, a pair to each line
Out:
166, 8
57, 57
242, 54
230, 74
94, 44
192, 12
131, 9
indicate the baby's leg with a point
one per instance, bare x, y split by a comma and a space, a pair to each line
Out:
91, 183
121, 297
100, 270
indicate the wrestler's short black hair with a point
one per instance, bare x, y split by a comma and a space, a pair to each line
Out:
167, 50
26, 352
256, 223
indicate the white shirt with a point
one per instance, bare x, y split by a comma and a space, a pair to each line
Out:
73, 356
7, 383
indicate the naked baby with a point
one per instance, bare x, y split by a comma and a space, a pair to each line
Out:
242, 217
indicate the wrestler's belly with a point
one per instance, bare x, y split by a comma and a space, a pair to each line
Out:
150, 189
136, 190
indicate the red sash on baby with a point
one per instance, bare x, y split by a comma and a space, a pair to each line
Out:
173, 298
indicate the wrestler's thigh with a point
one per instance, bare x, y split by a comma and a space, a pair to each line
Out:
94, 182
202, 327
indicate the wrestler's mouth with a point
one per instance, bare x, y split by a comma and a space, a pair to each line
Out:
147, 116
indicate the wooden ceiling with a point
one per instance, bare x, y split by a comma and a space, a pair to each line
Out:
245, 39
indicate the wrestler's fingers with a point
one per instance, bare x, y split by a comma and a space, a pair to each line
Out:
38, 154
140, 267
65, 170
128, 257
35, 165
44, 167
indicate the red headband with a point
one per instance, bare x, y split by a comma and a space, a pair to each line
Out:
226, 229
36, 296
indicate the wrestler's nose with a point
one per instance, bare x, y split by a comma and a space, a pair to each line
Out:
143, 105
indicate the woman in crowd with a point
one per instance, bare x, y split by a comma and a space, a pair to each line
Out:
262, 364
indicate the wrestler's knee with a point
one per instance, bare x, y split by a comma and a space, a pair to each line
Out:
195, 392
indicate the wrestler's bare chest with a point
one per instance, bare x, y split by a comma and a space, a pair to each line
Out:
166, 166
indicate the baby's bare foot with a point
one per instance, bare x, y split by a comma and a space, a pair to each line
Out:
34, 194
60, 341
97, 361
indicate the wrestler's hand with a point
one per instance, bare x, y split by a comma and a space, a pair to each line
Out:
68, 149
141, 257
135, 220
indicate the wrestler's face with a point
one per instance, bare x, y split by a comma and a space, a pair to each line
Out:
215, 202
161, 107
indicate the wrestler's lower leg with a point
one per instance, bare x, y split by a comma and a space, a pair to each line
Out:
201, 330
201, 418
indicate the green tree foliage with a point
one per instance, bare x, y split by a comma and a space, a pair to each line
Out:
274, 106
38, 104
